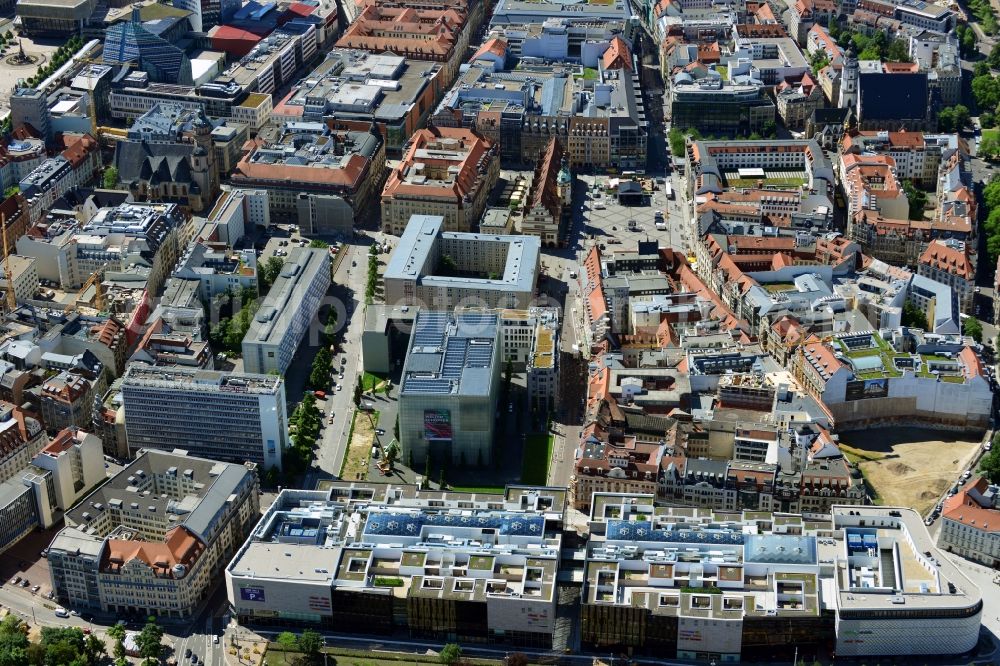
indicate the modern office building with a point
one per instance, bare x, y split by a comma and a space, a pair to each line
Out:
131, 42
732, 105
217, 415
54, 18
698, 584
448, 393
377, 558
354, 89
443, 270
445, 171
155, 538
601, 122
288, 312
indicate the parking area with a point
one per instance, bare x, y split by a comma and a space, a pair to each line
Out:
24, 560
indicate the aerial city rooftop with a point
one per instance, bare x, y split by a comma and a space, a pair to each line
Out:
647, 330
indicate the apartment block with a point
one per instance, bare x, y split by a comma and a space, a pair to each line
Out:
221, 416
378, 558
288, 312
444, 270
948, 262
217, 270
68, 252
444, 171
24, 277
155, 538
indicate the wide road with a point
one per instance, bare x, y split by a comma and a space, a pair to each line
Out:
348, 297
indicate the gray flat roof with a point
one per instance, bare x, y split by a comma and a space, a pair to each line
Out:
423, 233
282, 303
451, 353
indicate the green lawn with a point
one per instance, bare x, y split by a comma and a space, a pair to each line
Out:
993, 132
536, 459
768, 182
370, 381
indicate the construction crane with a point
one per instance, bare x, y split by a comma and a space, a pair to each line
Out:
8, 273
94, 280
92, 94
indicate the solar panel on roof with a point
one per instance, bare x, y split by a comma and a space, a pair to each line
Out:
624, 530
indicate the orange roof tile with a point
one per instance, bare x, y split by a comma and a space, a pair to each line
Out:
963, 508
617, 56
948, 259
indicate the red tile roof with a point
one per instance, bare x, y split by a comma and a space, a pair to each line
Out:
948, 259
617, 56
963, 508
470, 148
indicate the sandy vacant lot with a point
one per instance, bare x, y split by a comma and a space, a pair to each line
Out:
909, 466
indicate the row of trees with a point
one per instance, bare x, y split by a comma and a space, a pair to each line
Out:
69, 646
676, 137
966, 41
985, 16
307, 419
372, 281
309, 643
322, 365
65, 52
989, 466
991, 199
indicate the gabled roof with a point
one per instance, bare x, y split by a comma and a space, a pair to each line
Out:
948, 258
617, 56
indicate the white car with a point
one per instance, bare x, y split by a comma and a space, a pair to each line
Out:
62, 612
340, 387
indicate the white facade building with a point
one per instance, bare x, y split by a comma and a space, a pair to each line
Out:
218, 415
288, 312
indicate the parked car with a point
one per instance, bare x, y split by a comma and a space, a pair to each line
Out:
380, 432
61, 612
320, 395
